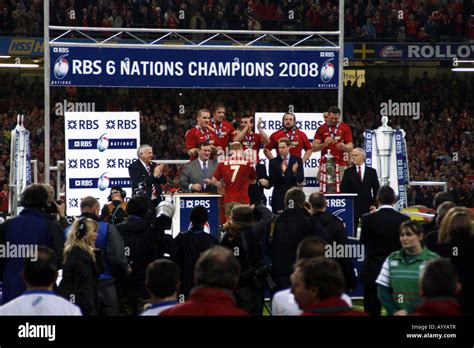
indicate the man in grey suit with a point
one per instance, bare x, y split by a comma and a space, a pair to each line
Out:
197, 174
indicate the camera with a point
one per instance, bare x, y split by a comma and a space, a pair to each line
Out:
164, 214
51, 207
261, 276
141, 189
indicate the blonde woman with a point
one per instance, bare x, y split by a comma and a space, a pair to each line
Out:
456, 225
456, 242
82, 266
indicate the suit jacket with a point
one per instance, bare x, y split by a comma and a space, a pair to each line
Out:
192, 174
256, 191
283, 182
138, 173
380, 235
366, 190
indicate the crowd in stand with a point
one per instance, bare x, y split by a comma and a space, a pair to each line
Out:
438, 143
411, 20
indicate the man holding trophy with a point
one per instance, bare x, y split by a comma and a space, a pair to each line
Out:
334, 140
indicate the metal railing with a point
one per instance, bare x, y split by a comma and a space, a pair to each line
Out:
429, 183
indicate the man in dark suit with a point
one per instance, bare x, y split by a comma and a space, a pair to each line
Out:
380, 236
145, 172
197, 174
256, 191
286, 171
362, 180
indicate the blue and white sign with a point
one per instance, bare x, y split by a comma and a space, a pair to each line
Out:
189, 68
211, 203
99, 148
342, 206
185, 202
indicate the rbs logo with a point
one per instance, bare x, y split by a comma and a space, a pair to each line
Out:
84, 163
121, 124
88, 124
86, 67
336, 203
193, 203
119, 162
84, 183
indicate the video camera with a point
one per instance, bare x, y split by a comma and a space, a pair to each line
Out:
164, 214
261, 276
141, 189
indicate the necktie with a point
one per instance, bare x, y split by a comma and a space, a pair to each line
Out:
360, 173
205, 172
153, 188
285, 159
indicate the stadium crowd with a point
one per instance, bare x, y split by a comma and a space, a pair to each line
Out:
405, 20
439, 143
134, 268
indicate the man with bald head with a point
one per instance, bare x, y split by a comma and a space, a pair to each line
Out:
363, 181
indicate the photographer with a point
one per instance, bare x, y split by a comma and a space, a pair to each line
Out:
114, 212
240, 238
30, 227
55, 209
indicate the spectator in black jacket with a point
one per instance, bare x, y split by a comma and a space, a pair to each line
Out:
335, 233
240, 238
289, 229
380, 236
142, 246
190, 244
31, 227
82, 266
263, 217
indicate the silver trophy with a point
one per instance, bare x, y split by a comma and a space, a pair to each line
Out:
383, 138
330, 168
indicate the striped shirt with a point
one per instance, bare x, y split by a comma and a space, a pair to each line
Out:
401, 273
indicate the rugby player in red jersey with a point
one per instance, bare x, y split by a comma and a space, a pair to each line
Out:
200, 133
299, 140
237, 173
335, 136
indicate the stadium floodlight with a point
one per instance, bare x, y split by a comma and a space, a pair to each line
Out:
18, 66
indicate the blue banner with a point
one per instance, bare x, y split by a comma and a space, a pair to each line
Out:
342, 206
402, 169
210, 203
21, 46
408, 51
102, 183
87, 144
368, 134
190, 68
